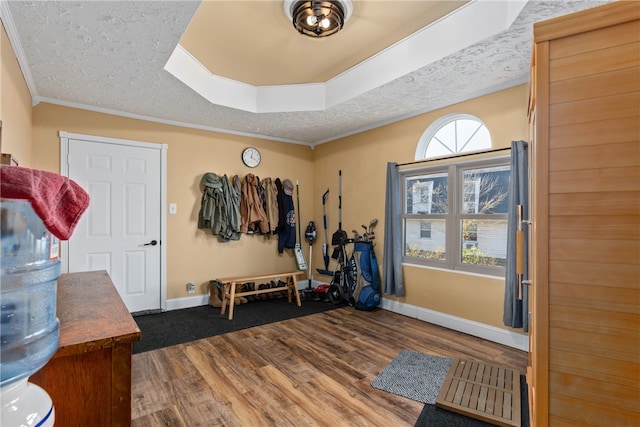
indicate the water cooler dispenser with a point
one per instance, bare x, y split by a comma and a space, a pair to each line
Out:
28, 324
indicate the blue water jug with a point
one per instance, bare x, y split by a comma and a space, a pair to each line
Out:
30, 267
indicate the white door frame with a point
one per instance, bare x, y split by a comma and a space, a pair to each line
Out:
64, 170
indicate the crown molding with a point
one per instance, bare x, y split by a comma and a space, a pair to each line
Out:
14, 39
162, 121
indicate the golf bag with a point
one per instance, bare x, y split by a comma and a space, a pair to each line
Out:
364, 277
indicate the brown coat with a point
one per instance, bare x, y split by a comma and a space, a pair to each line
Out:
271, 196
254, 219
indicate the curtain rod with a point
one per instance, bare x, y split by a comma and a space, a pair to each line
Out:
455, 156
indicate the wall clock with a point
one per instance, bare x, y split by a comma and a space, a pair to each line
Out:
251, 157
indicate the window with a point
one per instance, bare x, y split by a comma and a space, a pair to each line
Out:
422, 196
462, 209
435, 213
425, 229
452, 134
471, 194
470, 234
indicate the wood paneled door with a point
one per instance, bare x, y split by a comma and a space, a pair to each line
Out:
585, 305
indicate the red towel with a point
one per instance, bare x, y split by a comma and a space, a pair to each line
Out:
58, 200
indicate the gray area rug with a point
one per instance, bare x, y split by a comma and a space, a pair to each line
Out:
415, 375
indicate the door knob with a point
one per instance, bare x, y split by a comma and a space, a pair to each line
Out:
151, 243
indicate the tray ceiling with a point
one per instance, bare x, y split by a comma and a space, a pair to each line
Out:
239, 66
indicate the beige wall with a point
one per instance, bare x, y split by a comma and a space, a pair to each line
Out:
15, 105
192, 255
363, 159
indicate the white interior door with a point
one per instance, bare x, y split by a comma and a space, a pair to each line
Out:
121, 230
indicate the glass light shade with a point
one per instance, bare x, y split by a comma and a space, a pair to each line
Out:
318, 18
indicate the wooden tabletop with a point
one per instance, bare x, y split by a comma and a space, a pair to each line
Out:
92, 314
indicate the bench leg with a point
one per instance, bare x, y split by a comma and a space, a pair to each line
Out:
232, 299
225, 298
295, 290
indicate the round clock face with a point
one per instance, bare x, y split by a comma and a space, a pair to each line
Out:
251, 157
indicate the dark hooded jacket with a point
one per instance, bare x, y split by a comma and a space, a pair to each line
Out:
287, 233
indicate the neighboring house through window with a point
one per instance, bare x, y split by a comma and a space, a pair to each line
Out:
455, 212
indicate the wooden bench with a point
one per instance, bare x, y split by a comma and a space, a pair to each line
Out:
229, 293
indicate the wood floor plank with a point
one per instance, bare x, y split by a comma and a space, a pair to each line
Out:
168, 417
312, 371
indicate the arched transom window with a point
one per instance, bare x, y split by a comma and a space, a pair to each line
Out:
452, 134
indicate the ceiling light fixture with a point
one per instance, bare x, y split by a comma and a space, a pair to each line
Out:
318, 18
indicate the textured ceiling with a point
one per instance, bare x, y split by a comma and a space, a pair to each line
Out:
110, 55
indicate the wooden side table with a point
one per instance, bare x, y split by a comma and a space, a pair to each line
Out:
89, 377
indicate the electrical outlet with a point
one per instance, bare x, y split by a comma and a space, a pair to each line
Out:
191, 287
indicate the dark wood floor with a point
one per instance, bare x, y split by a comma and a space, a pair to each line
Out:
310, 371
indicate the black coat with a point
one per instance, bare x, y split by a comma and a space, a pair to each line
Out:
286, 219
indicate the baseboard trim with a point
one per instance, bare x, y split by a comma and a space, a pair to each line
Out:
187, 302
480, 330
